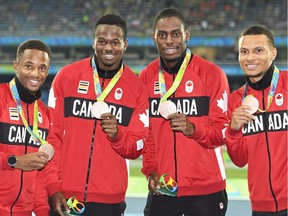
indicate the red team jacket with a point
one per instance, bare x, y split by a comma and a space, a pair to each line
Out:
93, 167
195, 162
15, 140
262, 145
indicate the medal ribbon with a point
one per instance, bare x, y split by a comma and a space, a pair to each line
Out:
163, 94
34, 133
99, 94
271, 92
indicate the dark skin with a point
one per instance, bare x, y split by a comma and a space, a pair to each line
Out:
109, 45
109, 125
31, 69
180, 123
241, 117
170, 37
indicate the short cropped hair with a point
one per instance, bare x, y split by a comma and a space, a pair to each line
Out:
258, 30
167, 13
32, 44
112, 19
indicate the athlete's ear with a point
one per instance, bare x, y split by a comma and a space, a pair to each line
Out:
153, 38
274, 53
15, 66
125, 44
93, 43
187, 34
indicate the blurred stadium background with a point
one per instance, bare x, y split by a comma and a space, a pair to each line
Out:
67, 26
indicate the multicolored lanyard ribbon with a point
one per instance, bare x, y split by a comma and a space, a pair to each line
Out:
99, 94
34, 133
271, 92
163, 94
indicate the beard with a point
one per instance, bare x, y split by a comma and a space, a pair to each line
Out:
108, 64
170, 60
255, 77
260, 74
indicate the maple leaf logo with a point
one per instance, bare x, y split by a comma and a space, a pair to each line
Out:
118, 93
222, 103
40, 119
145, 118
52, 99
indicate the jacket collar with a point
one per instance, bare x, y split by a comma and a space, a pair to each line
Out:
24, 94
175, 69
264, 82
106, 73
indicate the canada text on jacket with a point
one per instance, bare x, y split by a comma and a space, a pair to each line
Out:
81, 108
269, 121
17, 134
196, 106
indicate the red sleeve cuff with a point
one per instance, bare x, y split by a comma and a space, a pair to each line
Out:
232, 132
53, 188
5, 165
148, 170
118, 138
198, 128
42, 212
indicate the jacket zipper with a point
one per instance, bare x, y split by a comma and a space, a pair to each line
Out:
268, 151
92, 147
22, 172
89, 162
174, 136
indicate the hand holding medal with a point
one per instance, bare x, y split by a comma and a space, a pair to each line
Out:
252, 102
166, 108
244, 115
99, 108
48, 149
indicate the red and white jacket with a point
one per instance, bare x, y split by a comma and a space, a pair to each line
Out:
262, 145
195, 162
18, 193
88, 164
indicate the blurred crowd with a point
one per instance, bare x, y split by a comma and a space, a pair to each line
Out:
76, 17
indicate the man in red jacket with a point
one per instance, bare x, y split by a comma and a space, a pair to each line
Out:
24, 125
257, 134
188, 103
99, 118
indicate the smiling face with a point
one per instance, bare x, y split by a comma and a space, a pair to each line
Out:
170, 38
109, 46
31, 69
256, 55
